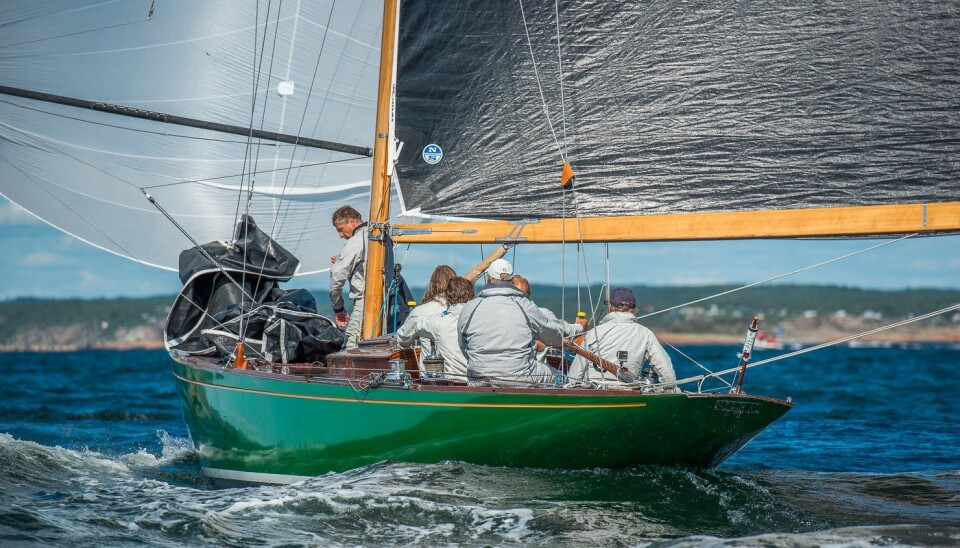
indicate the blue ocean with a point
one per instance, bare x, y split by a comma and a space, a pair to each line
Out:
94, 452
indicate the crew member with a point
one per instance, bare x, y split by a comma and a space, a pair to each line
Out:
498, 331
349, 266
618, 338
568, 329
433, 304
441, 329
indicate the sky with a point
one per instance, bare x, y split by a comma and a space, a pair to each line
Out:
43, 262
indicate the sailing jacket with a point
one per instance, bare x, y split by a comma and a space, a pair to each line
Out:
568, 329
349, 266
408, 332
441, 330
620, 332
497, 332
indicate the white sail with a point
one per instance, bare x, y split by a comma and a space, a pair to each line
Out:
306, 69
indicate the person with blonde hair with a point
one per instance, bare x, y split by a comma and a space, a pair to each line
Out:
433, 304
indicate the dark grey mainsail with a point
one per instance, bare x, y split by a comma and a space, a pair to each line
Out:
678, 107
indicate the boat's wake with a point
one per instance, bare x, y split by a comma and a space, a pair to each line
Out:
53, 494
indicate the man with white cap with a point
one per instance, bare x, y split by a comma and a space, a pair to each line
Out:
620, 339
498, 332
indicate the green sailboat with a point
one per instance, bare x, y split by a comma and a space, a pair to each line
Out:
260, 425
254, 426
450, 106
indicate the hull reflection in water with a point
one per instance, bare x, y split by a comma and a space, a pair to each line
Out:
264, 427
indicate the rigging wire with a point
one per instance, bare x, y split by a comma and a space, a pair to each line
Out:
536, 73
606, 250
313, 81
234, 176
814, 348
135, 130
695, 362
255, 161
258, 61
117, 25
68, 155
563, 257
263, 113
779, 276
133, 256
563, 105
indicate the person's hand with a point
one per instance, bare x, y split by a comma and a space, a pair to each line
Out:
333, 259
540, 346
343, 318
582, 322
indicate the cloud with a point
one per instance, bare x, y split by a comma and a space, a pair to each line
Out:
40, 259
91, 280
12, 214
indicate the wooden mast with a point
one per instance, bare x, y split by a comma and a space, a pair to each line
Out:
782, 223
380, 181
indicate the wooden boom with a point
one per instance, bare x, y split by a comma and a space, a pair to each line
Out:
778, 223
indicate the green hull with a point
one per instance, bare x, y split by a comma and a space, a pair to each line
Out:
261, 427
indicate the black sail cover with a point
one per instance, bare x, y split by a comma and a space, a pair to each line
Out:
670, 107
211, 312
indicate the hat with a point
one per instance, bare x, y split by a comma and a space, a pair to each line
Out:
622, 295
498, 267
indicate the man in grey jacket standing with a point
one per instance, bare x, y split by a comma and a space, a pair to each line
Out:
498, 331
350, 266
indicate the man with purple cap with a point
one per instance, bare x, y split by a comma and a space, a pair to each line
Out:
621, 340
498, 331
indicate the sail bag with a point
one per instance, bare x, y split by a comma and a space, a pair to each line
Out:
231, 291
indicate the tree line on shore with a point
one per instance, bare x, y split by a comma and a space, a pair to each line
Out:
78, 323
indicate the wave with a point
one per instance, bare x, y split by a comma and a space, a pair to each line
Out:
58, 495
846, 537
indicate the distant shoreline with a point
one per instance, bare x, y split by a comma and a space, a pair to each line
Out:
796, 315
935, 336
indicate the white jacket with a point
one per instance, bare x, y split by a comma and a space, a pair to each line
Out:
498, 330
618, 332
441, 331
349, 266
408, 333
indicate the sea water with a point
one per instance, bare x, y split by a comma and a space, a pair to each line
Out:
94, 452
